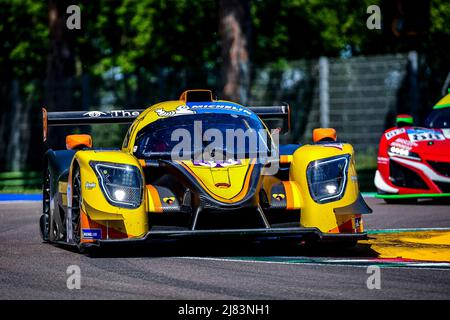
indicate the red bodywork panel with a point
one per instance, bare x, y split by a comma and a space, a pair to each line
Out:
414, 148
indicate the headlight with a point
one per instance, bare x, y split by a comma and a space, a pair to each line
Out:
401, 152
327, 178
120, 183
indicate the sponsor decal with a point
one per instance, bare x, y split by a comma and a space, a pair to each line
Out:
180, 110
221, 107
112, 114
124, 113
193, 108
394, 151
382, 160
389, 135
400, 146
91, 234
90, 185
446, 133
404, 143
418, 135
217, 164
94, 114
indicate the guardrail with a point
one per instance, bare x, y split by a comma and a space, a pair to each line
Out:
20, 180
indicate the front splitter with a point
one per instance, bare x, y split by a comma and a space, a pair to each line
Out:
296, 234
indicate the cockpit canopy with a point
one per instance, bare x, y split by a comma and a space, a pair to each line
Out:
230, 135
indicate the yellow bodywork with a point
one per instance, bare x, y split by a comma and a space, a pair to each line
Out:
227, 185
148, 116
224, 184
121, 222
318, 215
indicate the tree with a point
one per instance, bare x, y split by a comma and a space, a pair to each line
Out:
60, 64
61, 58
23, 47
234, 30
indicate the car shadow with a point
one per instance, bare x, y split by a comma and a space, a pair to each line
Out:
219, 248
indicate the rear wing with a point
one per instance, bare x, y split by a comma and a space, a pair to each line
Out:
275, 117
79, 118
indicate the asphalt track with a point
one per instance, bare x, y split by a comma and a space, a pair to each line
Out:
30, 269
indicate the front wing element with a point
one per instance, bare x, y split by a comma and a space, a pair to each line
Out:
311, 234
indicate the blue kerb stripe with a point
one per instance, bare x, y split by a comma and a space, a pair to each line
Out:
20, 197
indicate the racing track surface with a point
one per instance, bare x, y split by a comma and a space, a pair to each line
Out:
30, 269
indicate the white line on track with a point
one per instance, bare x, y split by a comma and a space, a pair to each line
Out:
372, 231
338, 263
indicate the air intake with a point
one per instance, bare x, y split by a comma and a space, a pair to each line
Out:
198, 95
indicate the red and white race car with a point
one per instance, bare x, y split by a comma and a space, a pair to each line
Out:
414, 162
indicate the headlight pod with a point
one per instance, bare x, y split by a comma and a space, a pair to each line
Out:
120, 183
327, 178
401, 152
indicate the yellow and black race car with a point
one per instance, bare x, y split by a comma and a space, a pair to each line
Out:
198, 167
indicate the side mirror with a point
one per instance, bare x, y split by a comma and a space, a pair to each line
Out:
78, 141
324, 134
404, 120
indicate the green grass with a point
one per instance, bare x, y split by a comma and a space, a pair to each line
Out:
21, 191
21, 182
366, 165
366, 160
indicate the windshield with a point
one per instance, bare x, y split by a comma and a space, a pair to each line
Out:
438, 119
221, 135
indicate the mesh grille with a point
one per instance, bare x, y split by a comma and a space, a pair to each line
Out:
442, 168
122, 184
132, 194
445, 187
403, 177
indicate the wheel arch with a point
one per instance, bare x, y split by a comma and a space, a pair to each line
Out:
59, 163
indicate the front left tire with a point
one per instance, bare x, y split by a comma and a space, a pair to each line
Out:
44, 221
76, 206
